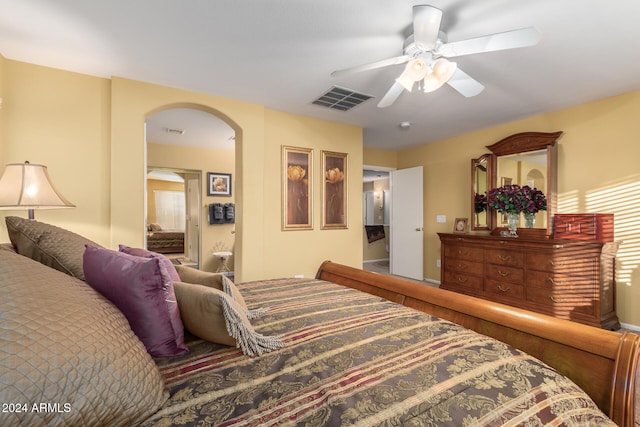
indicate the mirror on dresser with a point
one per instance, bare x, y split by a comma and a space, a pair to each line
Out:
481, 180
527, 158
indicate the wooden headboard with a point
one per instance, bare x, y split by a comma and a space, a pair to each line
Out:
603, 363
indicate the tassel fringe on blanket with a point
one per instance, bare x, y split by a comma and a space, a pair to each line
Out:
248, 340
251, 314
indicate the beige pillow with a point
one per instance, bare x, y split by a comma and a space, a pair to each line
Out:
199, 277
50, 245
215, 316
217, 281
64, 343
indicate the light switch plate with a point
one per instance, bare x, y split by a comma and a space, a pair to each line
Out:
441, 219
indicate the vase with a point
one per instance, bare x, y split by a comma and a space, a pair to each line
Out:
529, 219
512, 224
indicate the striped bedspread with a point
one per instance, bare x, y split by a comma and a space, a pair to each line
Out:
355, 359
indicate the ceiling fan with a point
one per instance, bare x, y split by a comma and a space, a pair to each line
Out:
426, 51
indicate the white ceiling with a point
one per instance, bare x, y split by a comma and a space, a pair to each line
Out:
280, 54
186, 126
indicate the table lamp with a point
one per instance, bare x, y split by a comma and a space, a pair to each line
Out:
27, 186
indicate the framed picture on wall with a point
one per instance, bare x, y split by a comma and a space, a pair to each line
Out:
334, 190
218, 184
297, 212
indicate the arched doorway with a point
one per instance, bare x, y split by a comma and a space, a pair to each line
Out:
190, 142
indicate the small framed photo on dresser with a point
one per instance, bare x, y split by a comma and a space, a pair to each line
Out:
460, 225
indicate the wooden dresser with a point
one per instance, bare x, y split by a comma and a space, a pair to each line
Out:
569, 279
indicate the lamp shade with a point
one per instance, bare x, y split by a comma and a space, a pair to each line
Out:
27, 186
414, 71
442, 71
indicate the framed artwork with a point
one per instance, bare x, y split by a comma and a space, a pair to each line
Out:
460, 225
297, 212
218, 184
334, 190
505, 181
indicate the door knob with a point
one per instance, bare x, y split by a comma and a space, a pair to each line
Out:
419, 229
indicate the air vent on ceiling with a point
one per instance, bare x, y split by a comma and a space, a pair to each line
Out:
174, 131
341, 99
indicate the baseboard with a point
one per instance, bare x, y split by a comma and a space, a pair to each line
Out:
375, 260
432, 281
633, 328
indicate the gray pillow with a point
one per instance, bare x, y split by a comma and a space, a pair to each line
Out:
63, 343
50, 245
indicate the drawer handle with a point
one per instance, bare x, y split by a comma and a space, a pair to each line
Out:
503, 273
461, 279
553, 282
552, 262
463, 252
554, 299
462, 266
500, 288
504, 258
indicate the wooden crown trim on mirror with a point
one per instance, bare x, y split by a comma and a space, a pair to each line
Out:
524, 142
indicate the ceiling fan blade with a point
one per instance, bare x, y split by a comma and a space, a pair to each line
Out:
371, 66
465, 84
391, 96
508, 40
426, 25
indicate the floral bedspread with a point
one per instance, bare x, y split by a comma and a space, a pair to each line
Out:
355, 359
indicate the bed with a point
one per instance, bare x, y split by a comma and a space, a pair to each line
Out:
165, 242
347, 347
392, 355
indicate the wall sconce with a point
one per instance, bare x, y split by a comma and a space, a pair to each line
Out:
28, 186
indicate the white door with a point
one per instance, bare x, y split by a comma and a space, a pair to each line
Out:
368, 208
193, 220
407, 233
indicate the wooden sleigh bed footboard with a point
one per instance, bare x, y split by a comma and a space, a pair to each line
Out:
602, 363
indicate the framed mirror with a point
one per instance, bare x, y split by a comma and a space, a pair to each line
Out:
481, 180
528, 158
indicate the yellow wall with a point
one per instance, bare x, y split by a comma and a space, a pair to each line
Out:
61, 120
2, 115
377, 157
89, 132
598, 171
203, 160
298, 252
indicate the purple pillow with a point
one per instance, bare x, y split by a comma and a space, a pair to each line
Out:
143, 290
171, 269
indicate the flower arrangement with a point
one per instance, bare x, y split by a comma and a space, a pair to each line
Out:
515, 199
480, 202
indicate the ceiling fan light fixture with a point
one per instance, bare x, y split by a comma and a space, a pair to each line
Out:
441, 71
414, 71
444, 69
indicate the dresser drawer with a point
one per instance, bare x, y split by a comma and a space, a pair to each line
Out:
550, 280
464, 266
504, 257
562, 300
595, 227
509, 274
504, 289
564, 263
464, 252
457, 280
